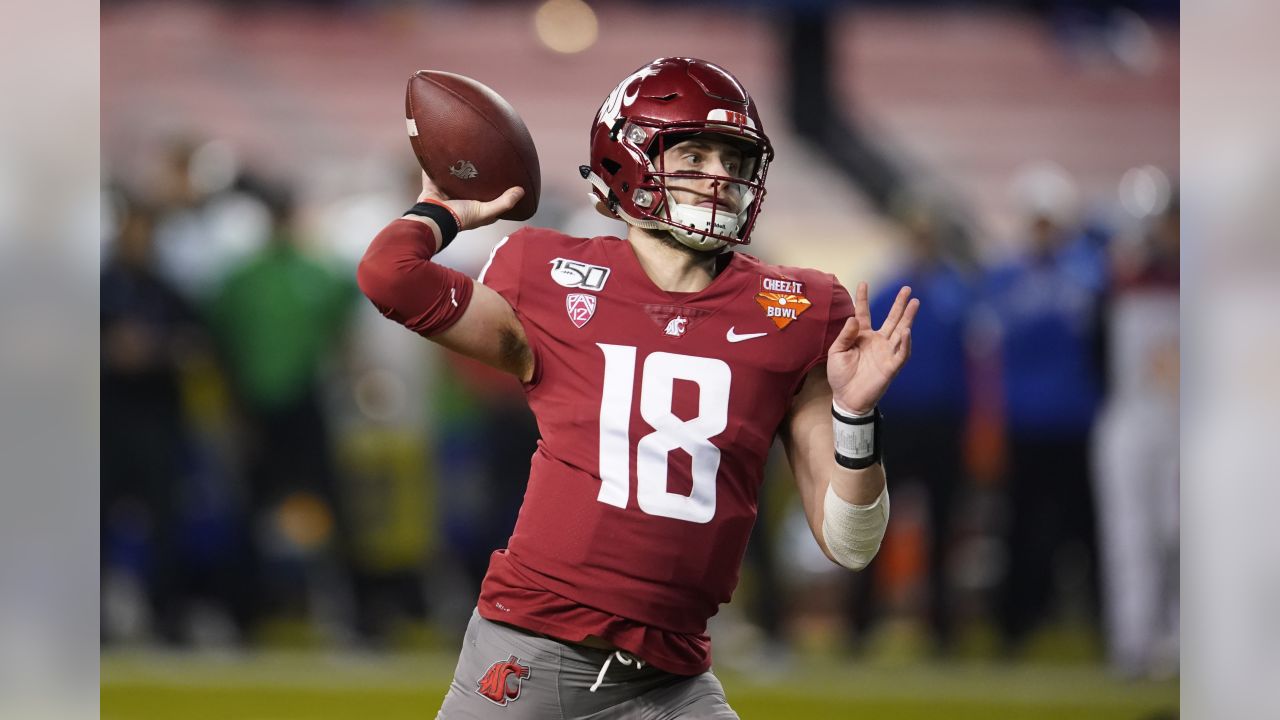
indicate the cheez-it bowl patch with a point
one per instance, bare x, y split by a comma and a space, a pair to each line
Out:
782, 299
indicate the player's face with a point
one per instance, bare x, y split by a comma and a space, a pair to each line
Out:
710, 156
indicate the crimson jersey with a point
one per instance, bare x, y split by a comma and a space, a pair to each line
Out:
657, 411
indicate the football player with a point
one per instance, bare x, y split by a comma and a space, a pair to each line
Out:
660, 369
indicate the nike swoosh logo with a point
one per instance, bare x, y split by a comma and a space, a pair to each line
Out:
732, 336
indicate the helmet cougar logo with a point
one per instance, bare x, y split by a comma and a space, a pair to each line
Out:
501, 682
620, 98
463, 169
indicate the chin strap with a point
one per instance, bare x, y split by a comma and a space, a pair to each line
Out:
693, 216
700, 218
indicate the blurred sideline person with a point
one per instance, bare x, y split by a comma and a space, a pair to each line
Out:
278, 318
928, 407
487, 435
660, 368
148, 329
1137, 458
209, 216
1047, 303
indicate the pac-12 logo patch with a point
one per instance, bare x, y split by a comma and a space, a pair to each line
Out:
577, 274
580, 307
782, 300
500, 684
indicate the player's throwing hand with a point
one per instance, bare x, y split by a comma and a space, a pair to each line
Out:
862, 361
471, 214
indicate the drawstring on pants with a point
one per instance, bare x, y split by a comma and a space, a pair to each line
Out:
623, 658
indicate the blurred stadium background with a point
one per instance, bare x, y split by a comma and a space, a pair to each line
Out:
299, 498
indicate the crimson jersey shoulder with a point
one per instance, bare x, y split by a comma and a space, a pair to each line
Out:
526, 254
831, 303
821, 288
543, 245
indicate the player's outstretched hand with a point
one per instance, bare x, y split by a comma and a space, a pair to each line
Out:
472, 213
862, 361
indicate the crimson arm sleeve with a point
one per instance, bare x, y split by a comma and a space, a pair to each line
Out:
397, 275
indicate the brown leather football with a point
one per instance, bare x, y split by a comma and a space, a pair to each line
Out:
470, 141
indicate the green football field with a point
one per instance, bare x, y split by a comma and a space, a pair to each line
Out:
316, 686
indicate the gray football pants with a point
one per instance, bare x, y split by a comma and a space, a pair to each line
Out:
505, 673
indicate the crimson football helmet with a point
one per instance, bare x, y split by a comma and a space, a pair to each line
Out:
655, 107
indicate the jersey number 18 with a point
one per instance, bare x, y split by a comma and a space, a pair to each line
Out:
657, 382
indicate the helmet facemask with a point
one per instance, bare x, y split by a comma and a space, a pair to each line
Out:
696, 226
699, 226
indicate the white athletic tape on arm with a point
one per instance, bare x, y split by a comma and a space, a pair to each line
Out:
853, 532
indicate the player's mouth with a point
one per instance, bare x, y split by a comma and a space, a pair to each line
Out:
719, 205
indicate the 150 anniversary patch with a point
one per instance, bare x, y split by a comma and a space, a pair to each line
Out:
577, 274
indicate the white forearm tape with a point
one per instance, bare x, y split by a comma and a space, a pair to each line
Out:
853, 532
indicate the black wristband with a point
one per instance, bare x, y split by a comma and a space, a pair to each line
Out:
865, 461
444, 217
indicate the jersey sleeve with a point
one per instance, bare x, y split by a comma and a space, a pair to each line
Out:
839, 308
398, 277
502, 274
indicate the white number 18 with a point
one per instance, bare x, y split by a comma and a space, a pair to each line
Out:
657, 382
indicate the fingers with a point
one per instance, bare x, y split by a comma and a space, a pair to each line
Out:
490, 211
900, 340
505, 201
473, 214
896, 312
861, 306
429, 190
848, 334
909, 317
901, 346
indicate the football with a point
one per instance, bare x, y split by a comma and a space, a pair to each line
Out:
470, 140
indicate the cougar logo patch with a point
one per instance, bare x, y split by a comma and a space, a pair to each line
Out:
675, 327
580, 307
501, 682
